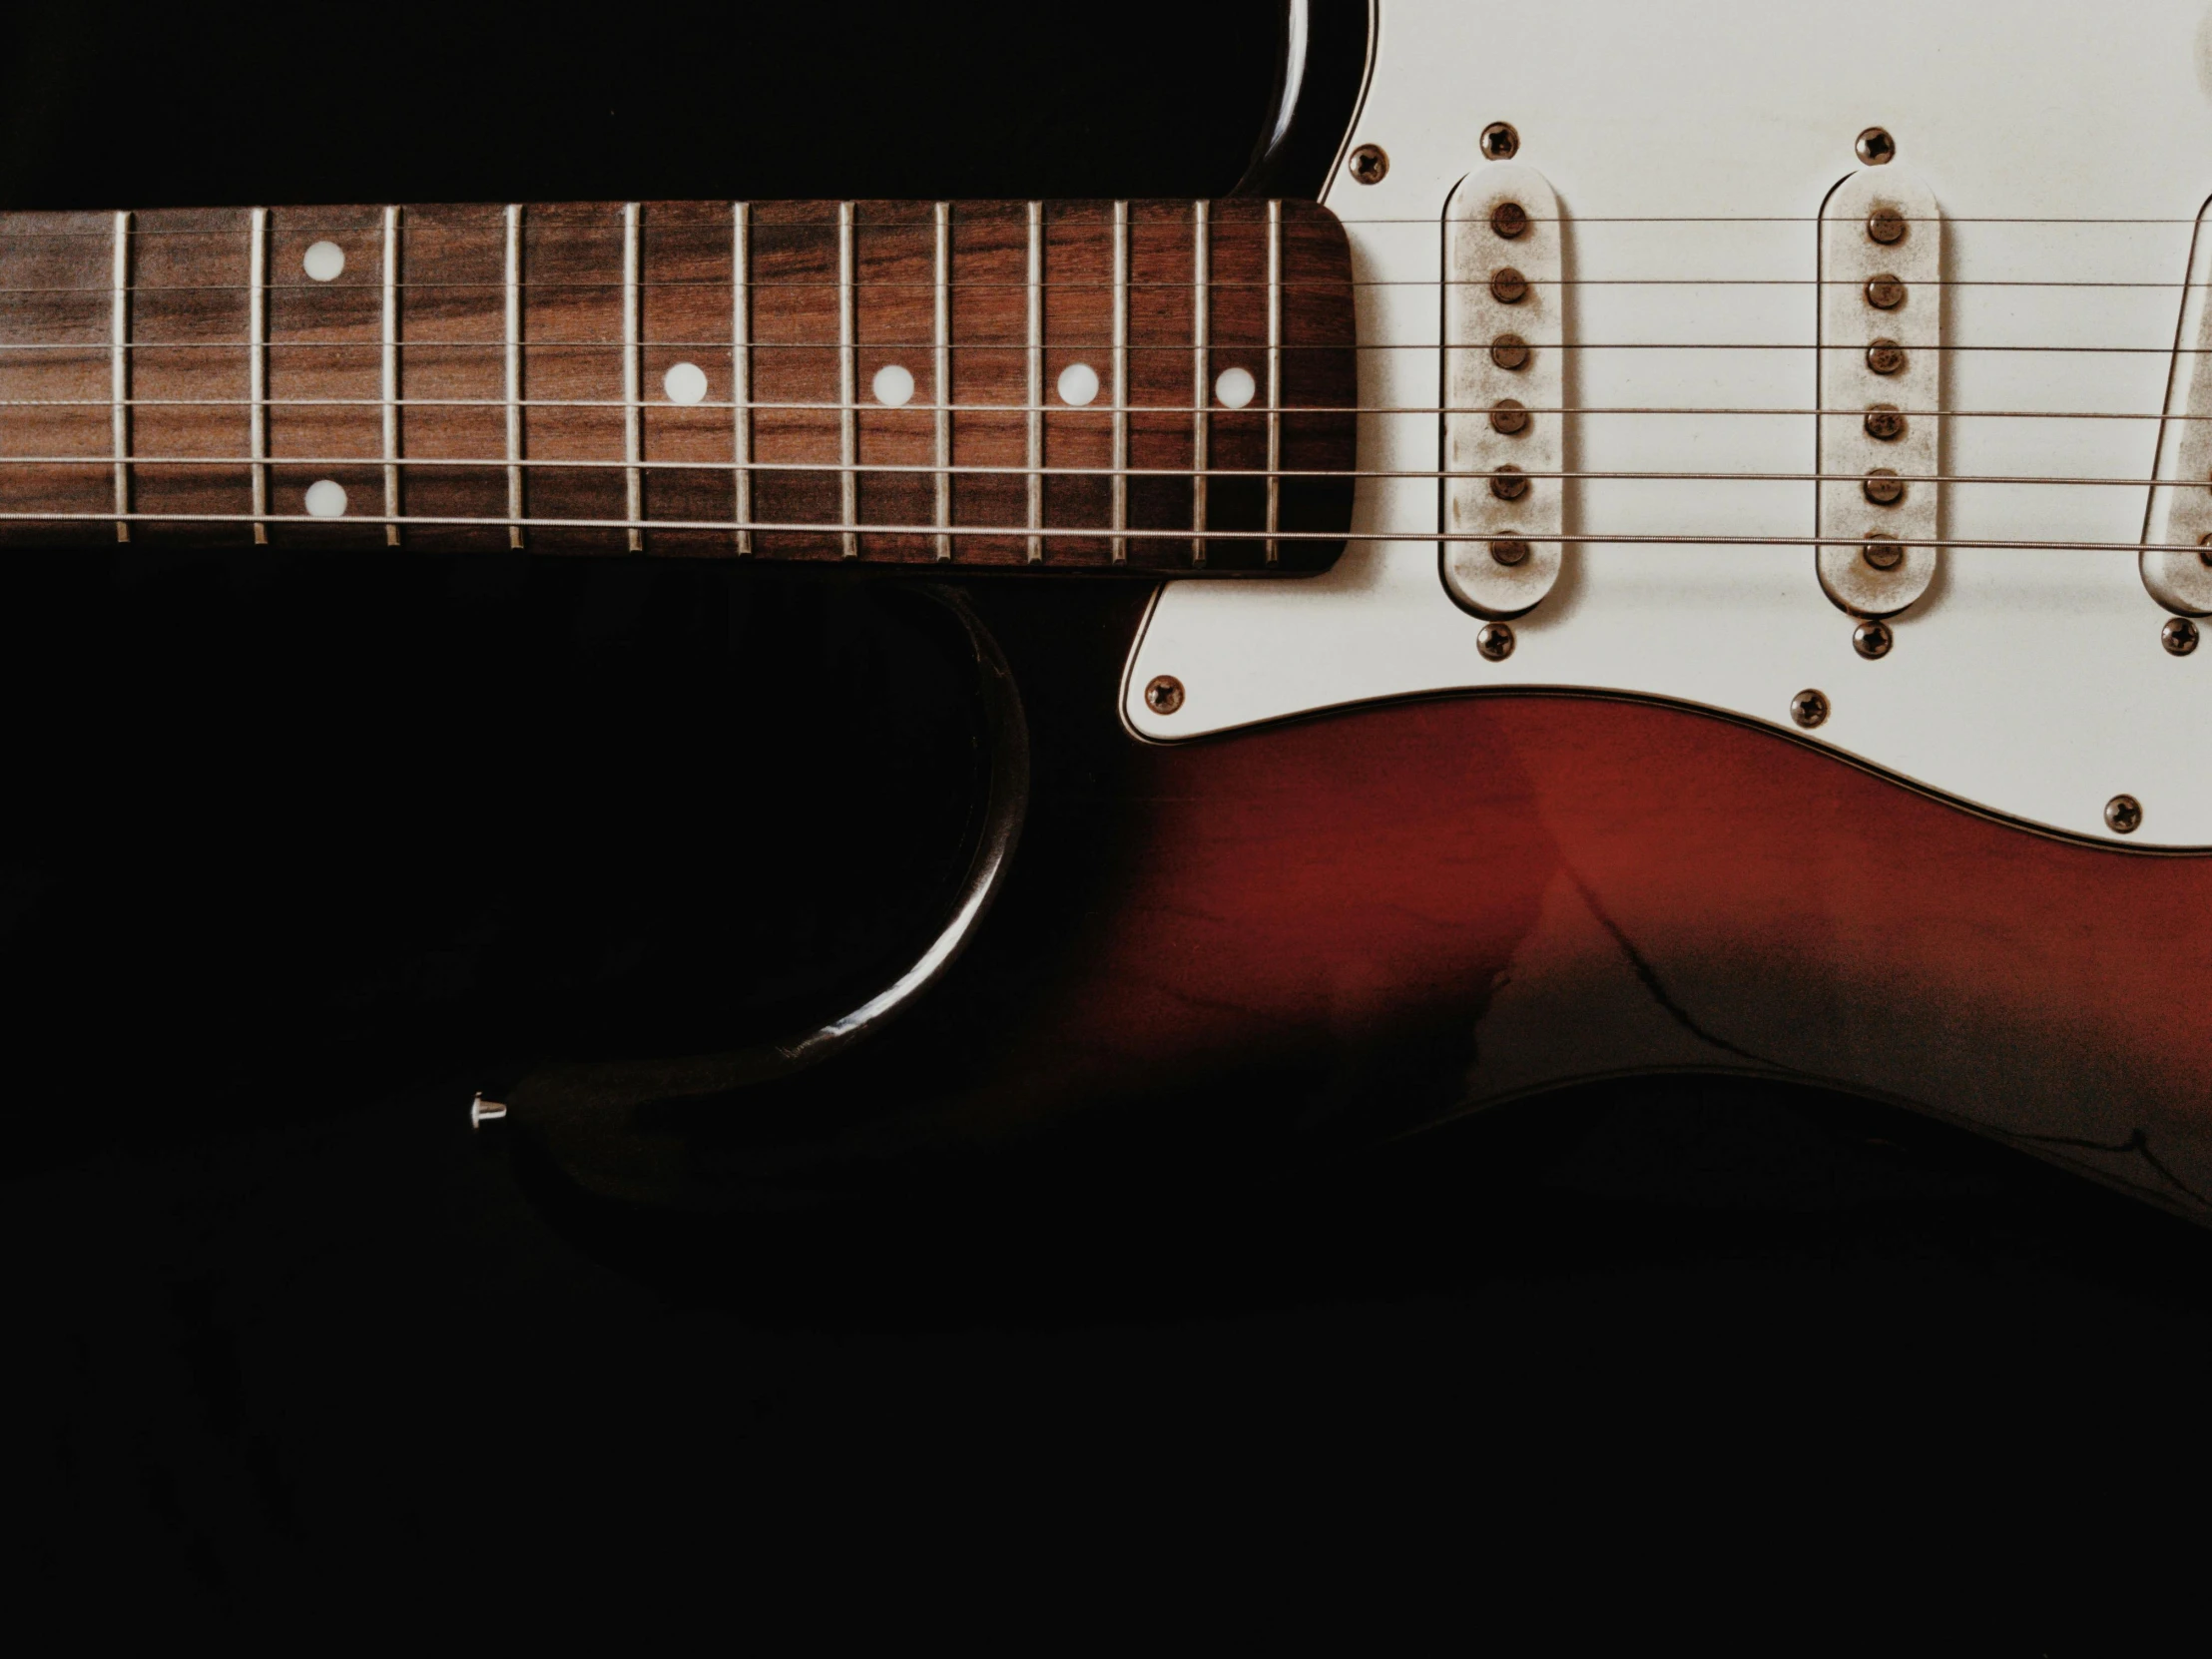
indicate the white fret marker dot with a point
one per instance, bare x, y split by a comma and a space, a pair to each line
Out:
1078, 384
685, 384
1236, 387
323, 261
894, 385
326, 498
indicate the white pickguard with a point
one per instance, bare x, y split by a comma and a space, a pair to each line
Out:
1692, 146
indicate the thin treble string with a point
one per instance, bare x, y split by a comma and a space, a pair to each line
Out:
1066, 285
972, 469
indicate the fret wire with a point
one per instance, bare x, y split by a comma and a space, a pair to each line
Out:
514, 373
1201, 457
257, 363
849, 392
633, 438
941, 373
1121, 382
1274, 370
119, 375
741, 363
388, 375
1037, 379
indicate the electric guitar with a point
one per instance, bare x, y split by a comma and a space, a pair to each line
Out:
1683, 553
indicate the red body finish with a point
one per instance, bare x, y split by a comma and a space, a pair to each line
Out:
1578, 888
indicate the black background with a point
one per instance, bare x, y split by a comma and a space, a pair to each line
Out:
295, 858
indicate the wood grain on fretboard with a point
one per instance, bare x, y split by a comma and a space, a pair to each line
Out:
391, 379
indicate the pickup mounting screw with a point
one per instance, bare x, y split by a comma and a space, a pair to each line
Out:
1880, 551
1495, 641
2123, 814
1885, 357
1508, 287
1508, 220
1509, 351
1808, 708
1499, 142
1369, 163
2179, 635
1885, 225
1875, 146
1885, 293
1508, 417
1165, 695
1871, 640
1883, 487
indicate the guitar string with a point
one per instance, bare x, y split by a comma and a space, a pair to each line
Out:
1073, 412
971, 469
1094, 533
487, 221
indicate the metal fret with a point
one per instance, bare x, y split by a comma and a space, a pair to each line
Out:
1121, 382
848, 423
1275, 373
1036, 379
1201, 270
389, 376
257, 364
119, 375
633, 433
941, 373
741, 363
514, 373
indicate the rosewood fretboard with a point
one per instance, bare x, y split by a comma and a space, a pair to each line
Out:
1062, 384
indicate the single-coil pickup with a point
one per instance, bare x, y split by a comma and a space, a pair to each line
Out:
1504, 384
2179, 523
1881, 359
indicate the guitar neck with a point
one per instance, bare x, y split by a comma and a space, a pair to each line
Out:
1141, 386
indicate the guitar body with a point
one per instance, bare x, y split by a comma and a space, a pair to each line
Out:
1362, 875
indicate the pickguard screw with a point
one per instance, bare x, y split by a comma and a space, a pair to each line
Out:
1871, 640
1508, 417
482, 1110
1875, 146
1369, 163
1884, 423
1808, 708
1885, 293
1510, 552
1509, 351
1508, 220
1508, 287
1880, 551
1885, 225
2179, 635
1499, 142
2123, 814
1883, 487
1507, 483
1495, 641
1165, 695
1885, 357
